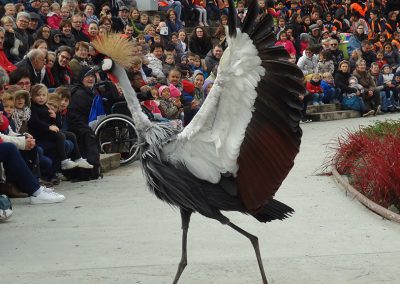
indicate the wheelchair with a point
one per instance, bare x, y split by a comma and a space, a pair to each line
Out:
116, 132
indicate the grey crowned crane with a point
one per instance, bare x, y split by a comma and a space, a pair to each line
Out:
240, 146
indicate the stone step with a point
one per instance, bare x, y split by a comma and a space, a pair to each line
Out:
109, 162
333, 115
324, 108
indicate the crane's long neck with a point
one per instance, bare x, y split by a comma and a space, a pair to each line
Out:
141, 121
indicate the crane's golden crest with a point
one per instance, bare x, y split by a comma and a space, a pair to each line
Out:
116, 48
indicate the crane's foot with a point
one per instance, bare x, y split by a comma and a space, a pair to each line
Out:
254, 241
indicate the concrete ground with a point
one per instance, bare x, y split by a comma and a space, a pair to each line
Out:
114, 231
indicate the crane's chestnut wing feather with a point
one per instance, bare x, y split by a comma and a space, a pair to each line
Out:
249, 123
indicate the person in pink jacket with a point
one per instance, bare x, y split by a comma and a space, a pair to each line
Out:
287, 44
54, 17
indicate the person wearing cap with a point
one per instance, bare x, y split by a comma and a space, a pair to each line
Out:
82, 96
119, 23
315, 38
33, 26
22, 23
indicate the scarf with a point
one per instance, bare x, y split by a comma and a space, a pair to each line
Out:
20, 116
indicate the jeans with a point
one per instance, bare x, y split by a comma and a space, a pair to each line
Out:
317, 98
331, 95
16, 170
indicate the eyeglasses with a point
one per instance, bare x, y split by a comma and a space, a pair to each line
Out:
334, 44
65, 57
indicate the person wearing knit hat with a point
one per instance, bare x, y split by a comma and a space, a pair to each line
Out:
170, 108
208, 84
175, 93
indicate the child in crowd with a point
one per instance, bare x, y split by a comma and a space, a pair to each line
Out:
9, 107
331, 94
325, 64
65, 98
287, 44
143, 21
153, 104
168, 64
201, 7
314, 88
241, 11
380, 60
170, 108
354, 99
45, 128
22, 112
386, 79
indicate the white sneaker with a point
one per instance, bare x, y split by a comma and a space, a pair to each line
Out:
82, 163
47, 189
46, 197
67, 164
5, 214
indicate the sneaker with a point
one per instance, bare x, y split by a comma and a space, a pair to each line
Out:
82, 163
206, 24
67, 164
5, 208
371, 112
315, 104
201, 24
378, 110
321, 103
46, 197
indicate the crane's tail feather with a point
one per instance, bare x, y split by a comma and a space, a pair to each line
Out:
273, 210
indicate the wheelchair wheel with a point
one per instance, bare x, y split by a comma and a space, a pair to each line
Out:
116, 133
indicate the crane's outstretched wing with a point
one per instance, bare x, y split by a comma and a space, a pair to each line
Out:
249, 124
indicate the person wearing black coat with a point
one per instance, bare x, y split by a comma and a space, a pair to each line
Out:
82, 96
61, 72
199, 42
342, 77
34, 64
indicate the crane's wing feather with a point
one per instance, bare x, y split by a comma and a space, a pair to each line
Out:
249, 124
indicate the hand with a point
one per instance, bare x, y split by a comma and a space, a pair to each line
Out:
54, 128
29, 143
52, 113
358, 93
177, 103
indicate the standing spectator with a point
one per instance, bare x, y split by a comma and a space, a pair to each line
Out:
200, 42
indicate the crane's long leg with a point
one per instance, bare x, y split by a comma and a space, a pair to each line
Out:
254, 242
185, 216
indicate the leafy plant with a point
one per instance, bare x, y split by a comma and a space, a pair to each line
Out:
371, 159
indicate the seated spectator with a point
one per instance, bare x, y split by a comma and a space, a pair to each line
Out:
391, 55
287, 44
388, 88
335, 53
332, 94
89, 13
4, 62
165, 5
105, 22
174, 26
325, 63
356, 38
60, 71
315, 38
213, 57
354, 100
66, 36
308, 62
79, 59
155, 62
44, 33
11, 42
171, 108
82, 96
21, 33
314, 88
15, 168
143, 21
200, 6
123, 18
93, 30
168, 64
370, 96
200, 42
54, 16
367, 53
22, 111
9, 10
34, 64
77, 28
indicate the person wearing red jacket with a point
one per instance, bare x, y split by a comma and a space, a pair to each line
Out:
4, 62
314, 88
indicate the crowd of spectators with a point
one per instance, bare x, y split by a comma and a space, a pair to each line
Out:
348, 51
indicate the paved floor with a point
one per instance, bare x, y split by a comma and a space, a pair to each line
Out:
114, 231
